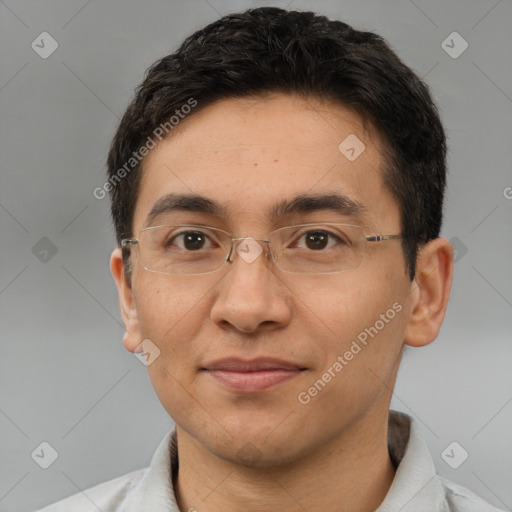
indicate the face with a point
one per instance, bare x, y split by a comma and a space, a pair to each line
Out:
248, 155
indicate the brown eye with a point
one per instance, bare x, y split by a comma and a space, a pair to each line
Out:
316, 240
189, 240
194, 240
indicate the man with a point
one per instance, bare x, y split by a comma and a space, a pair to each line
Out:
277, 189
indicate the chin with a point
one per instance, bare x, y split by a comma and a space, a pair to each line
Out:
258, 455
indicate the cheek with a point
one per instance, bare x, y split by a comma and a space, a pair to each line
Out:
363, 323
358, 363
338, 306
162, 300
171, 315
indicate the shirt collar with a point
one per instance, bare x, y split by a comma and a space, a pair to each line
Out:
415, 488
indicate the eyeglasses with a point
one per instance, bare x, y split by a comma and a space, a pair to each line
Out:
304, 249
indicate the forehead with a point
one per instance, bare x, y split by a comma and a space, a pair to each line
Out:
253, 156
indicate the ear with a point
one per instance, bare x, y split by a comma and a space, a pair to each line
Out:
132, 338
430, 292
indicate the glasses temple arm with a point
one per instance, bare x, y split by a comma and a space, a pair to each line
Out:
128, 241
379, 238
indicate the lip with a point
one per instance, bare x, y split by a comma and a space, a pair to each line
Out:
252, 376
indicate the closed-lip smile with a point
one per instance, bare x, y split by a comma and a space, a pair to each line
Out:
254, 375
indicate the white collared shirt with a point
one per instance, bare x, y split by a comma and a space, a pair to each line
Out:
416, 487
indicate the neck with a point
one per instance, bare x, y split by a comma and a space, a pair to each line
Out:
351, 473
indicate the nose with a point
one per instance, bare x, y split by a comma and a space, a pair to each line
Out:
251, 296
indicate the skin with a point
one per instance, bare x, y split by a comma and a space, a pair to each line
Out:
332, 452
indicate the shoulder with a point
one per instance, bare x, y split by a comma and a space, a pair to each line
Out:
461, 499
111, 496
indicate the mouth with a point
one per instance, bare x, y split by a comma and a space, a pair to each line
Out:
252, 376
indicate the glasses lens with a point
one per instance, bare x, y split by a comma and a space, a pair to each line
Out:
182, 249
318, 248
306, 249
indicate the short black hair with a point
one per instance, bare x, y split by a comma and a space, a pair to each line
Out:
267, 50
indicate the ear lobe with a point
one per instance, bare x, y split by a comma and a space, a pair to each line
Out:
430, 292
132, 337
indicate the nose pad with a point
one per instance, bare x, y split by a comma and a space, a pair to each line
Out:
249, 249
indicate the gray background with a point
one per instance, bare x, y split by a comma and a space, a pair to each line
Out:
65, 377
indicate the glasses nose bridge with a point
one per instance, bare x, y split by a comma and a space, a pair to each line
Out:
237, 241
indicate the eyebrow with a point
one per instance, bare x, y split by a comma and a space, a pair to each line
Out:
303, 203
